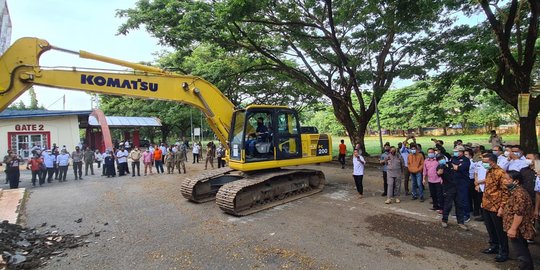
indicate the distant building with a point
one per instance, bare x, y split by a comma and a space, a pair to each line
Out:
5, 27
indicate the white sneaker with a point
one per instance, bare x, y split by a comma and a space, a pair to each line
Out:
388, 201
397, 200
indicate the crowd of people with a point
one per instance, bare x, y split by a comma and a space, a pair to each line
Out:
51, 164
499, 186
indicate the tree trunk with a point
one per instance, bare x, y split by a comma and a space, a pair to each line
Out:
528, 139
445, 133
165, 130
421, 131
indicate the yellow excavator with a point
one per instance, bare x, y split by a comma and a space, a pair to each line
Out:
260, 140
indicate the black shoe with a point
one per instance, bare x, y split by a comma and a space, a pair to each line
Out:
479, 219
80, 178
421, 199
490, 250
414, 198
384, 194
133, 176
501, 258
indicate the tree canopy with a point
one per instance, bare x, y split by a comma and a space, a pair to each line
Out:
341, 49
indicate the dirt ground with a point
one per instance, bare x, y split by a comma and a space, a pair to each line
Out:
150, 226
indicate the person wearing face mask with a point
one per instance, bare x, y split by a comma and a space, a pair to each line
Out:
493, 202
434, 180
529, 176
382, 160
502, 157
108, 164
449, 192
404, 152
474, 200
394, 168
516, 160
461, 165
415, 165
518, 219
148, 158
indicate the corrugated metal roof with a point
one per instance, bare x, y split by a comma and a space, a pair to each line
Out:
6, 114
126, 121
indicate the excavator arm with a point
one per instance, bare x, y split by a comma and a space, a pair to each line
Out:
20, 70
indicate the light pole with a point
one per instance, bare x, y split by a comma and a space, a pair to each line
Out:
191, 121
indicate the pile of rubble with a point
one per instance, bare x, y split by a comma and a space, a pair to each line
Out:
27, 248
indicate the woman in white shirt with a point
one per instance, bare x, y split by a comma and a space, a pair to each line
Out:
358, 171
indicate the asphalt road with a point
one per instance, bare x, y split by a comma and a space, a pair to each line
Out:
144, 223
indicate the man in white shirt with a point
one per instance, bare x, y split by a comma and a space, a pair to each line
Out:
63, 162
516, 160
502, 160
122, 155
49, 159
358, 171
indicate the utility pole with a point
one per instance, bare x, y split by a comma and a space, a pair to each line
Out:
191, 121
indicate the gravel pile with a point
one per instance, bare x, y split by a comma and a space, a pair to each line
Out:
27, 248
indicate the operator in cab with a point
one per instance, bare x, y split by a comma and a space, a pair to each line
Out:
260, 135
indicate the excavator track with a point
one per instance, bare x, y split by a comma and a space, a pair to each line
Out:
261, 191
203, 188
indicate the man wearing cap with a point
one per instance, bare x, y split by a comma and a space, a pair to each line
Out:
477, 154
461, 165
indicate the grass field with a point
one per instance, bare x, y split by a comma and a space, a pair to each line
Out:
373, 146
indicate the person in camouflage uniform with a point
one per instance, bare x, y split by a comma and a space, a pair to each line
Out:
180, 158
169, 161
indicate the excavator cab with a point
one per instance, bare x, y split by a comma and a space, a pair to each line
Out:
265, 133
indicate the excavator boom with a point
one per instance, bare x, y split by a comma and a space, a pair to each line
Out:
20, 69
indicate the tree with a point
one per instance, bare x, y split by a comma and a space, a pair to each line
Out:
498, 55
341, 49
33, 99
175, 117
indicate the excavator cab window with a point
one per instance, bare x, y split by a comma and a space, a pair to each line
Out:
258, 142
264, 134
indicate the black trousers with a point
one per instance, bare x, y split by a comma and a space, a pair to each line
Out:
77, 169
475, 199
136, 165
385, 182
406, 177
451, 197
56, 171
436, 192
63, 173
13, 176
37, 175
497, 237
122, 168
50, 172
195, 158
358, 182
520, 246
341, 159
220, 162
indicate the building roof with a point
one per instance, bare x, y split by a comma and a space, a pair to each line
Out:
125, 121
7, 114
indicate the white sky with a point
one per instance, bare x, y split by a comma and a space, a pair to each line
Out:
77, 25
